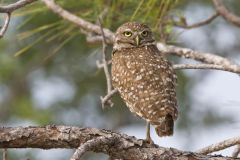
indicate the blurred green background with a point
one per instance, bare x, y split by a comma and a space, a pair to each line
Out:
48, 72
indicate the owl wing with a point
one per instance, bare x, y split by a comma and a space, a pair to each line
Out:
169, 79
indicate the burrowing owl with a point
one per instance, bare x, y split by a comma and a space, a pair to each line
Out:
144, 78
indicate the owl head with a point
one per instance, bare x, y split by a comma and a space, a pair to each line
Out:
132, 35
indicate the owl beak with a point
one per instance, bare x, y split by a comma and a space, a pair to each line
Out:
137, 40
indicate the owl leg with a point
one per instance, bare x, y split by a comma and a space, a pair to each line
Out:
148, 136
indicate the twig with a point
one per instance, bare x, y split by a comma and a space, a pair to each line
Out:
205, 66
199, 24
5, 154
87, 26
8, 10
104, 64
107, 98
104, 13
100, 65
220, 146
104, 61
236, 152
5, 25
11, 7
91, 144
227, 15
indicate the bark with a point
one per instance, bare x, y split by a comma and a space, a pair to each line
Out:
124, 146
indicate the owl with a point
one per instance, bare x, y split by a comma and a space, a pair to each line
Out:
144, 78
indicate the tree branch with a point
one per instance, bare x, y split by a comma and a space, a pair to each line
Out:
5, 25
199, 24
227, 15
206, 66
106, 99
123, 146
104, 65
94, 143
87, 26
199, 56
12, 7
220, 146
8, 10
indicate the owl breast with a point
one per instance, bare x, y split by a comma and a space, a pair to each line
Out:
146, 81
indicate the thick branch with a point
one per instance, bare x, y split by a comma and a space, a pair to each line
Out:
11, 7
227, 15
124, 147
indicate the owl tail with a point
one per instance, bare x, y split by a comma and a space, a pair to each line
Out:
165, 126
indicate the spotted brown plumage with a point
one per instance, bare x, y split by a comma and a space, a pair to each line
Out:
144, 78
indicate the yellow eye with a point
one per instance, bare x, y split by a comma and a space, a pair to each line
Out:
144, 33
127, 34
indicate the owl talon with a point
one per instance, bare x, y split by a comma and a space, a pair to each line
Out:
149, 140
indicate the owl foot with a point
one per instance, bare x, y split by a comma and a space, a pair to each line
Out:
149, 140
148, 136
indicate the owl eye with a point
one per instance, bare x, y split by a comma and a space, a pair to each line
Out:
127, 34
144, 33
